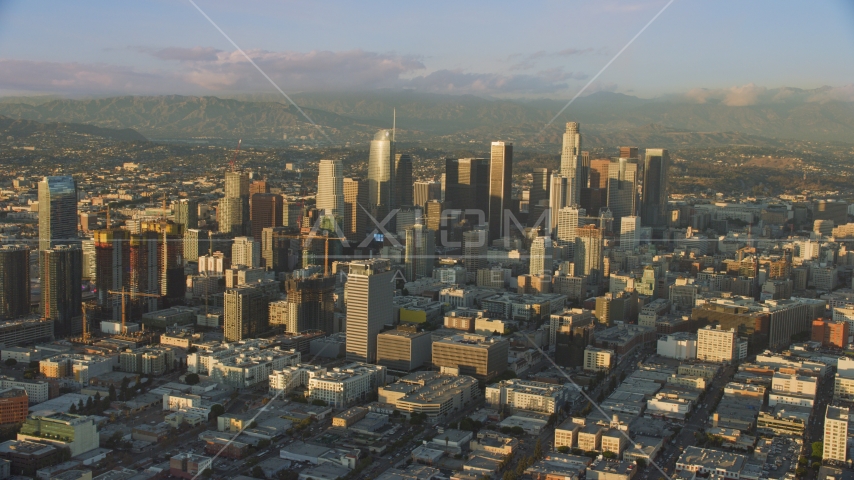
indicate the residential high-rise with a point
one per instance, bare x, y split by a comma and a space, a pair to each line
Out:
420, 252
245, 313
61, 277
541, 261
381, 174
835, 434
559, 193
568, 221
14, 281
588, 253
246, 251
622, 188
275, 245
144, 266
186, 213
195, 244
717, 345
475, 251
355, 203
310, 303
539, 196
112, 265
235, 213
423, 192
655, 182
368, 296
291, 213
570, 161
403, 179
630, 228
57, 212
266, 213
330, 188
500, 182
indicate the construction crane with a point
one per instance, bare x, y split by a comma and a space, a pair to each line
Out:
123, 293
86, 334
234, 158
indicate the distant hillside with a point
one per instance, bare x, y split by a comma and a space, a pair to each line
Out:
353, 117
21, 129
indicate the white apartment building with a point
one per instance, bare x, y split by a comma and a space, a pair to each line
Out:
291, 377
794, 384
836, 434
246, 251
598, 359
346, 386
718, 345
527, 395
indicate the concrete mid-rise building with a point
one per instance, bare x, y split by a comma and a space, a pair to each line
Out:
345, 386
680, 345
527, 395
78, 433
432, 393
598, 359
404, 350
478, 356
831, 333
836, 434
14, 405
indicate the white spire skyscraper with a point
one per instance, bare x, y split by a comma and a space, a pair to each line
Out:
330, 188
381, 172
570, 161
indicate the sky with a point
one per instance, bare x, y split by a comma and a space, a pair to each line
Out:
698, 49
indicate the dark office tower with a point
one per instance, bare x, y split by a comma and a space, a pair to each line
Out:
258, 186
420, 252
381, 174
112, 264
57, 212
61, 277
144, 263
539, 197
585, 169
570, 161
311, 303
595, 196
629, 152
275, 244
245, 313
403, 179
266, 213
234, 208
14, 281
186, 214
622, 188
170, 265
654, 201
500, 181
467, 185
570, 343
355, 203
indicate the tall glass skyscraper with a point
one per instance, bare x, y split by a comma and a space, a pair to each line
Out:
403, 180
61, 277
381, 173
500, 180
570, 162
654, 200
57, 212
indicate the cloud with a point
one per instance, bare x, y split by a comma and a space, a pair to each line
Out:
742, 96
460, 82
194, 54
529, 61
832, 94
205, 70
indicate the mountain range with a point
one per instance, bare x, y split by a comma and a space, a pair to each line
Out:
607, 118
22, 129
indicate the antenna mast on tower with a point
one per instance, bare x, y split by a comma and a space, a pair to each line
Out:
393, 123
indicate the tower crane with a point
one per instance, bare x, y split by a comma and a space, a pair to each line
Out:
123, 293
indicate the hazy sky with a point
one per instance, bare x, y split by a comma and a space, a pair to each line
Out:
549, 48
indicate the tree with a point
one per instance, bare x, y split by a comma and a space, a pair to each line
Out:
258, 472
80, 406
641, 463
538, 449
216, 411
207, 473
817, 450
11, 362
263, 443
609, 454
112, 393
517, 430
447, 440
192, 349
252, 424
89, 404
563, 449
509, 476
319, 402
72, 409
191, 378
